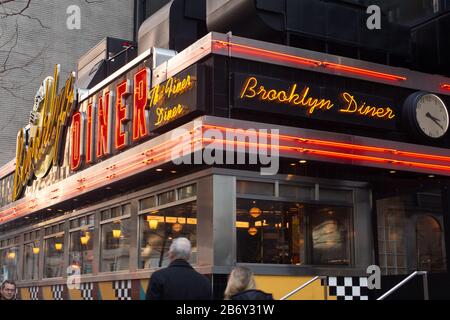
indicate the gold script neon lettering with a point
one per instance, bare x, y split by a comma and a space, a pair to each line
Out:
352, 107
251, 90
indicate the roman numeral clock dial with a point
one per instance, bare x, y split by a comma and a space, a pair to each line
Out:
426, 116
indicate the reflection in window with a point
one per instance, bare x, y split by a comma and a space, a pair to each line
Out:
9, 259
429, 237
330, 229
31, 261
159, 227
82, 249
187, 191
115, 246
410, 236
279, 233
54, 257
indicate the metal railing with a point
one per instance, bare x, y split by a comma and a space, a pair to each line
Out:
307, 284
407, 279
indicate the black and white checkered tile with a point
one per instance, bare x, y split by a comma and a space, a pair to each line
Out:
86, 290
58, 291
348, 288
122, 289
34, 293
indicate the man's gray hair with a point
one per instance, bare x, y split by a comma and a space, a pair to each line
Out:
180, 248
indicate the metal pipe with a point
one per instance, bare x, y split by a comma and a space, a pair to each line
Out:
412, 275
425, 285
301, 287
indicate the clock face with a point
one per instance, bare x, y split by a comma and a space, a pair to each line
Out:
431, 116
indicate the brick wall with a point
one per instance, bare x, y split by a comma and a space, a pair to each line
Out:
42, 41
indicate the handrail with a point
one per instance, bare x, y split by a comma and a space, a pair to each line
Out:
305, 285
408, 278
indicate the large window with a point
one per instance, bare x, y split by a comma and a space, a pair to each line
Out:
410, 232
277, 232
159, 227
82, 243
9, 259
160, 223
31, 261
54, 256
115, 239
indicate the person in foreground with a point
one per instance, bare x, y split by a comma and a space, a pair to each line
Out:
8, 290
179, 281
241, 286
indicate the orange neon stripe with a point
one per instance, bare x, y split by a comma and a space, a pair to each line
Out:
338, 154
364, 72
217, 44
152, 156
166, 147
138, 162
343, 145
268, 53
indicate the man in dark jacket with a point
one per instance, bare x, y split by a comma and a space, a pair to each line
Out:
179, 281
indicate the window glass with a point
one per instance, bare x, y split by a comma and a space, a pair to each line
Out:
278, 232
166, 197
257, 188
116, 212
54, 257
9, 259
188, 191
115, 246
327, 194
297, 192
126, 209
31, 261
410, 232
106, 214
330, 229
74, 223
82, 249
430, 236
147, 203
158, 229
270, 232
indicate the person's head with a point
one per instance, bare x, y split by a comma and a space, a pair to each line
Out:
240, 279
8, 290
180, 249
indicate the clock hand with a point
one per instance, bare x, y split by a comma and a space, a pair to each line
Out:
435, 120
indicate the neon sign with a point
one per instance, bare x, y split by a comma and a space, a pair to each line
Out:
126, 112
39, 145
171, 89
267, 94
251, 90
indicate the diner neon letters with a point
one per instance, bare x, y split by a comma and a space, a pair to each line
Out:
119, 115
253, 89
122, 113
365, 110
106, 115
141, 116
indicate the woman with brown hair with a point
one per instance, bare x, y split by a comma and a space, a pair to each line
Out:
241, 286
